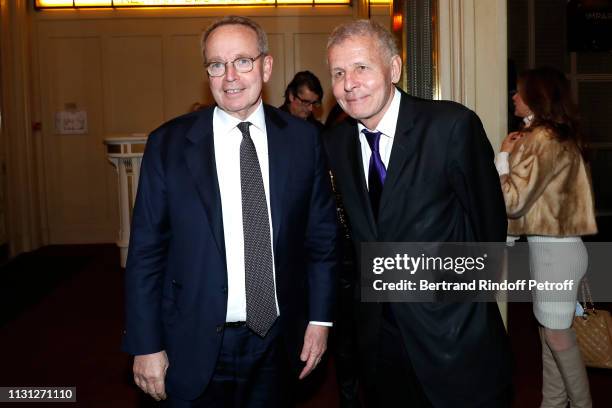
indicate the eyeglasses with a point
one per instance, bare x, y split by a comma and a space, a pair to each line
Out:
241, 65
308, 103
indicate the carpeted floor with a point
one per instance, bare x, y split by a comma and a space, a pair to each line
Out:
61, 320
29, 277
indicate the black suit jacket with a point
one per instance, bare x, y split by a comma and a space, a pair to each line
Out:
441, 186
176, 277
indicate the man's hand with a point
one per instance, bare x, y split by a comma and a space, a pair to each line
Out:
315, 344
150, 372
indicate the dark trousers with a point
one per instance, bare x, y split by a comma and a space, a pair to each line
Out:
396, 384
344, 343
251, 372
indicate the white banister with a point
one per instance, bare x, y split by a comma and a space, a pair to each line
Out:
125, 153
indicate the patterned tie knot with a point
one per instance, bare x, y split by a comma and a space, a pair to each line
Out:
373, 138
244, 128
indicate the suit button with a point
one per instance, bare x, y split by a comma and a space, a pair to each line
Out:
224, 289
219, 328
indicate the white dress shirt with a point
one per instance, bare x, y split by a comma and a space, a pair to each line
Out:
227, 138
386, 127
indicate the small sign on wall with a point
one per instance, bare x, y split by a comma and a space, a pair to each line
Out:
71, 121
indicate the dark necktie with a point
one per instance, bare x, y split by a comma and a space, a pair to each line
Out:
259, 279
377, 171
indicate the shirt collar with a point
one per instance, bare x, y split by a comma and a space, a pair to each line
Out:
228, 122
388, 123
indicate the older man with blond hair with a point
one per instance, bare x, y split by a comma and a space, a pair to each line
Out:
414, 170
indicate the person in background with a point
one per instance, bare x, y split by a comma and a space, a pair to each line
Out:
548, 197
302, 96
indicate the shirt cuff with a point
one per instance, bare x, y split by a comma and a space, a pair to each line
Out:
326, 324
510, 239
501, 163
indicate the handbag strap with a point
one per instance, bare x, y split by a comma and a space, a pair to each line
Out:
587, 298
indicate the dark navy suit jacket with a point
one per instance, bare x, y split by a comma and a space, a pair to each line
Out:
176, 275
441, 186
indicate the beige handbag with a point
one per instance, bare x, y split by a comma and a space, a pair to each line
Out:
594, 332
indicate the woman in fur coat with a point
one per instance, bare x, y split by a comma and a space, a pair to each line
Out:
549, 200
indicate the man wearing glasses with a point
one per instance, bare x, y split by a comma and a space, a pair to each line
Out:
302, 96
230, 274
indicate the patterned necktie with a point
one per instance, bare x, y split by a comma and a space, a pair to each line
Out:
377, 171
259, 279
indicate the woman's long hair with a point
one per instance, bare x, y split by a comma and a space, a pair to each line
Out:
547, 93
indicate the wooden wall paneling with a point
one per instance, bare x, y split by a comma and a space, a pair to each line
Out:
134, 78
289, 58
48, 158
381, 14
275, 88
78, 180
185, 78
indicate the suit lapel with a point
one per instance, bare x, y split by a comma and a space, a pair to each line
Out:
357, 176
279, 163
404, 147
200, 159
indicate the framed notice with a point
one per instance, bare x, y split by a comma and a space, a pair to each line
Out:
71, 122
